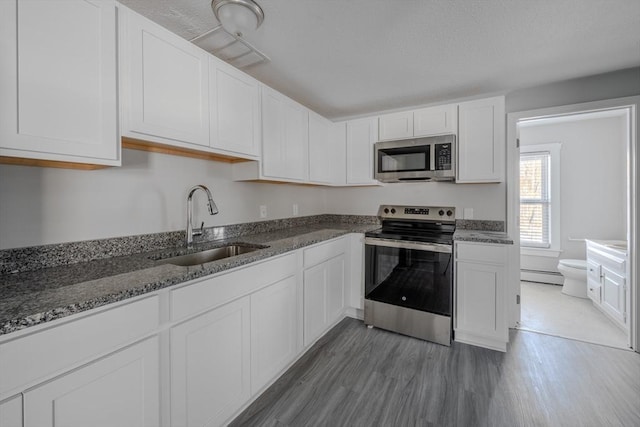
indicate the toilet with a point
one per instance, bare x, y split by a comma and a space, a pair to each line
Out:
575, 277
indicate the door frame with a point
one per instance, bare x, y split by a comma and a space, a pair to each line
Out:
631, 103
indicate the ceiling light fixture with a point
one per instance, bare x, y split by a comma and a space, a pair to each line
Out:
238, 16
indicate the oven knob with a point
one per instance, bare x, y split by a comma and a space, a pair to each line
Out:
386, 210
404, 298
393, 210
441, 212
449, 213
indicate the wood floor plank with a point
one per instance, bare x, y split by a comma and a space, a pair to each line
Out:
356, 376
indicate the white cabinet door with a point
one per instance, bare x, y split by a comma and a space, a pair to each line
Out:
274, 331
338, 152
320, 150
235, 110
315, 302
481, 141
439, 120
324, 289
480, 295
335, 288
479, 290
356, 271
11, 412
119, 390
285, 137
210, 365
613, 295
361, 135
58, 81
396, 126
165, 84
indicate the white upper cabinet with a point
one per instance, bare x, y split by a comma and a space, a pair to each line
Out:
320, 152
164, 85
430, 121
337, 152
439, 120
235, 110
58, 81
396, 126
361, 135
481, 141
285, 137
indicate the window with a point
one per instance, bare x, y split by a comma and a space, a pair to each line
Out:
535, 199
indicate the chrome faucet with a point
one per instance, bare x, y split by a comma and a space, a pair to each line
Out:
213, 209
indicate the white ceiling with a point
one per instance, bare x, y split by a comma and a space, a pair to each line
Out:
345, 58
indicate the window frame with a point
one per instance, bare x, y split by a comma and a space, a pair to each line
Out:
553, 150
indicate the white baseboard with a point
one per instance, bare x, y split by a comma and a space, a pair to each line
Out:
354, 313
541, 277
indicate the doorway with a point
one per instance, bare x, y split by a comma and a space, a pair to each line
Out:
577, 183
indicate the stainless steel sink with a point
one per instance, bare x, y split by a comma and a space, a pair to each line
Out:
209, 255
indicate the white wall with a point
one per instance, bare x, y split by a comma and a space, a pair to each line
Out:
486, 200
146, 195
616, 84
593, 180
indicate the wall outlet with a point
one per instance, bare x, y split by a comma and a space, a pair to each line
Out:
467, 213
295, 209
263, 211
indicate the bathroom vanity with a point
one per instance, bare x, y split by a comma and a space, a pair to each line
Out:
607, 278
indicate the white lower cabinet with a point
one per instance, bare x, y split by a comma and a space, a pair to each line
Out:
210, 365
121, 389
480, 290
613, 295
607, 279
11, 412
323, 288
274, 331
204, 349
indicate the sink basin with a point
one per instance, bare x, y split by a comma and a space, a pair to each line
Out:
210, 255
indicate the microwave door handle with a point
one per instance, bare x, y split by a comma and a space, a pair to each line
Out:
419, 246
432, 157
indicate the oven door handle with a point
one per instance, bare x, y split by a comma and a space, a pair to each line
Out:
420, 246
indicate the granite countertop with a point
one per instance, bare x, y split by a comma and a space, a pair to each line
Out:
482, 236
42, 295
41, 284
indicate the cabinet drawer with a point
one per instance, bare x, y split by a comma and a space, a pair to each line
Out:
218, 290
593, 271
324, 251
481, 252
594, 291
59, 348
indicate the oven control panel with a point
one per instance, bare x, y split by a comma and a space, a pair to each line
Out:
425, 213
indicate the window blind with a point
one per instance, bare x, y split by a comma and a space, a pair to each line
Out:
535, 199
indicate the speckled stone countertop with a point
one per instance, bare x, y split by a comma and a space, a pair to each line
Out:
42, 295
481, 231
482, 236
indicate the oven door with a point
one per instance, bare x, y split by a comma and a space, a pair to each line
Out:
409, 274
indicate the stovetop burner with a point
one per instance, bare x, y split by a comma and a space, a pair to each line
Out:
416, 223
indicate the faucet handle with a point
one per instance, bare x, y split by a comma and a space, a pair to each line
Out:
200, 231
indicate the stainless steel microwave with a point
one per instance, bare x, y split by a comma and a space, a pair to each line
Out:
419, 159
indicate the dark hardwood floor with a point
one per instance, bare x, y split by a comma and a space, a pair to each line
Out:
355, 376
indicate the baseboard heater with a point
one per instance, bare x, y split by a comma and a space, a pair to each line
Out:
538, 276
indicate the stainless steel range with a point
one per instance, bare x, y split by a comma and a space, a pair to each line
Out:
408, 272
